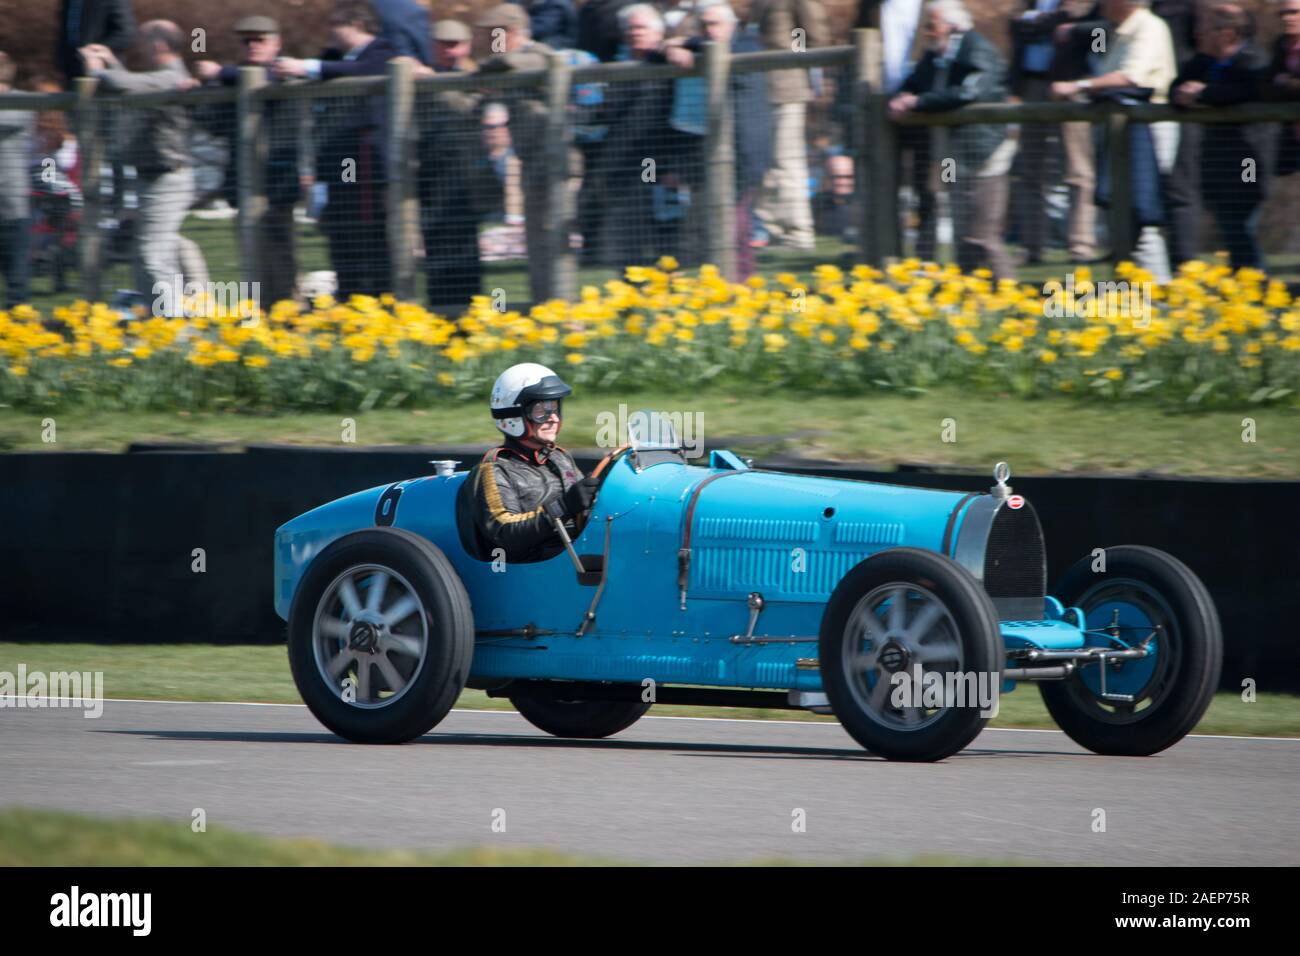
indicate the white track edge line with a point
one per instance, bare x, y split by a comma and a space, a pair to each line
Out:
731, 720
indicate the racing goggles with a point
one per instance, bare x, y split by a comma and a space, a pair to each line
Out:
541, 411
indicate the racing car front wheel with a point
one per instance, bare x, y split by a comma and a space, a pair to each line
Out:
588, 719
380, 636
1138, 598
911, 655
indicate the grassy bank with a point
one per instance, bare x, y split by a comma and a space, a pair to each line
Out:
1049, 435
261, 673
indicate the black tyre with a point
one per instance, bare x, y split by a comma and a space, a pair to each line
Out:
898, 611
1143, 595
588, 719
380, 636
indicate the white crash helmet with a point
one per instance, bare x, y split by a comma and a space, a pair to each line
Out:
516, 388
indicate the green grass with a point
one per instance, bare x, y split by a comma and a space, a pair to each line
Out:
47, 838
881, 429
261, 673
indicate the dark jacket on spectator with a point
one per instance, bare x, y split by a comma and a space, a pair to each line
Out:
1181, 17
636, 115
344, 124
97, 21
598, 31
1070, 58
976, 74
405, 25
284, 124
1288, 144
553, 22
1225, 145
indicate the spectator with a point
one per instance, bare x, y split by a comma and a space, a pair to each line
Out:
752, 124
159, 148
1181, 17
1182, 187
350, 151
835, 206
785, 210
552, 22
497, 172
519, 51
404, 24
1036, 61
599, 30
899, 23
84, 22
449, 151
55, 190
1284, 83
1139, 54
961, 67
640, 149
16, 128
1232, 168
260, 45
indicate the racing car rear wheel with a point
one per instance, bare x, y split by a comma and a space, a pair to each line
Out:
911, 654
589, 719
1144, 597
380, 636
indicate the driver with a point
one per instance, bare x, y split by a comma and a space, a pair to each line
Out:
518, 489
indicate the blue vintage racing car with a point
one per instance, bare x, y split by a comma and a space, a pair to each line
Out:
897, 609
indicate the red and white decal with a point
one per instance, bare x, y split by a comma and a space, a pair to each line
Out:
1016, 502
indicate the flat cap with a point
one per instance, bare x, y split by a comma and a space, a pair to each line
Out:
452, 31
257, 25
509, 15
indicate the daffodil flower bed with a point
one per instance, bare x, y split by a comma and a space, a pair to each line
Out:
1210, 336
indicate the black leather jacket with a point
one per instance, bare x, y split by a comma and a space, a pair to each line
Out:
976, 73
504, 502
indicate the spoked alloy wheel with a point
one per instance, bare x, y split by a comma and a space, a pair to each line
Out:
896, 628
371, 635
381, 636
906, 611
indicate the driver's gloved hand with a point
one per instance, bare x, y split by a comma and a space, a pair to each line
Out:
579, 496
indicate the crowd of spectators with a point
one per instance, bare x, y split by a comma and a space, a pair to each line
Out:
633, 178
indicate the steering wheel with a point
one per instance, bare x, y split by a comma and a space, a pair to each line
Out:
600, 471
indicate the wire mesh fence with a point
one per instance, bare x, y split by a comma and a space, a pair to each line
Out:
526, 184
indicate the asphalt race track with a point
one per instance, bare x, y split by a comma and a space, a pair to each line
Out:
668, 789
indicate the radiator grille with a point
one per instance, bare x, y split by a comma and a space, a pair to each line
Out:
1015, 564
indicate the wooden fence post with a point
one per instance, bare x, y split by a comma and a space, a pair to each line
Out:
719, 219
1121, 187
560, 272
401, 199
91, 148
877, 152
250, 169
